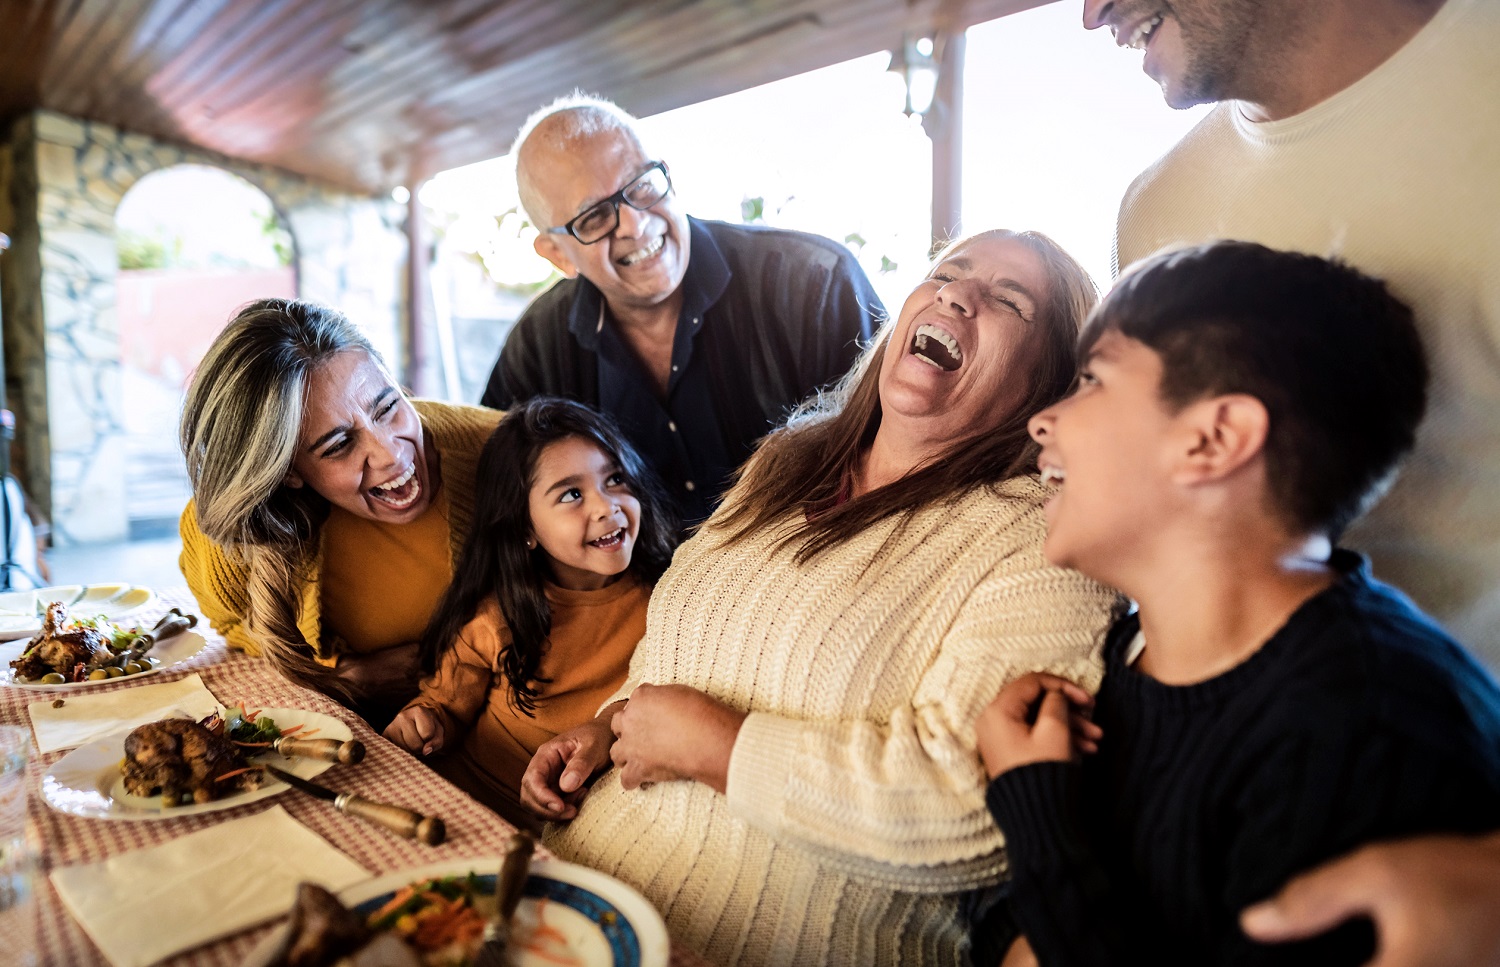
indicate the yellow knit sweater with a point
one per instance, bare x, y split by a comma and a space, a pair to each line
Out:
218, 581
855, 813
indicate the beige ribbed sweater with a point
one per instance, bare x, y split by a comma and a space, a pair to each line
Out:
1399, 174
855, 811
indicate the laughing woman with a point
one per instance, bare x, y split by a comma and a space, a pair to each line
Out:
327, 507
796, 779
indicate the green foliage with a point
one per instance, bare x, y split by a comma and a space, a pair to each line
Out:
886, 265
753, 210
137, 251
280, 238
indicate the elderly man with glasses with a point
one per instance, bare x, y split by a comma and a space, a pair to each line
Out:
697, 336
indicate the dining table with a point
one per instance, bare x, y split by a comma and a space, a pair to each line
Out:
387, 774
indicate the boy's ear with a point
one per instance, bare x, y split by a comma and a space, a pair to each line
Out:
1223, 434
549, 248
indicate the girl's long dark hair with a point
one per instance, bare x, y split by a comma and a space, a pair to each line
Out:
495, 561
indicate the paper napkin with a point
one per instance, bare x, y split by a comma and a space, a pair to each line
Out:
83, 718
141, 907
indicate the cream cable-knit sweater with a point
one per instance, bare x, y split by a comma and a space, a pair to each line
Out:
855, 812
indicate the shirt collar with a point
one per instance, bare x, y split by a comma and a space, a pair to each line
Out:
704, 283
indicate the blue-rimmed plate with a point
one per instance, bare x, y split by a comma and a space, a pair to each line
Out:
569, 914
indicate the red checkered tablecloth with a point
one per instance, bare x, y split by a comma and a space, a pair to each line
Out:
387, 774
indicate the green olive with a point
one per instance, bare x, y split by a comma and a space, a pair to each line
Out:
114, 671
98, 675
53, 678
152, 661
134, 668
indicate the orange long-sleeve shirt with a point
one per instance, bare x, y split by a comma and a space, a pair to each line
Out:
487, 741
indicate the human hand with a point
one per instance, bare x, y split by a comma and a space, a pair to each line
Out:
553, 784
417, 729
672, 732
1435, 901
1036, 718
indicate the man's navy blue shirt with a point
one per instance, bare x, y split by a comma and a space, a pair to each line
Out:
768, 317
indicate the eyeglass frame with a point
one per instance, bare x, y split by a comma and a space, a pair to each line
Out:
614, 201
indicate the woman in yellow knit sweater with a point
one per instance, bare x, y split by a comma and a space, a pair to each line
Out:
327, 507
796, 779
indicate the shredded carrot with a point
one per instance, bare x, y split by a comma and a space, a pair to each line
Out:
251, 745
250, 716
308, 732
400, 897
286, 732
235, 772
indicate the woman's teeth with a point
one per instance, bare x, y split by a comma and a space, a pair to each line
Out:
401, 492
641, 254
1052, 477
609, 541
937, 348
1142, 34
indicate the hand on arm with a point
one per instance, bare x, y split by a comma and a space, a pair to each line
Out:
553, 784
669, 732
417, 729
1435, 901
1036, 718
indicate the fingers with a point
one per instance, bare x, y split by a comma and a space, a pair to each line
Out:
1086, 734
1312, 903
539, 782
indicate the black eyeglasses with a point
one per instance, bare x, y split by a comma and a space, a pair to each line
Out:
602, 219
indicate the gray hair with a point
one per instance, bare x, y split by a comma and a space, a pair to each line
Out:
570, 118
241, 423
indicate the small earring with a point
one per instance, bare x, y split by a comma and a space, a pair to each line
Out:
531, 543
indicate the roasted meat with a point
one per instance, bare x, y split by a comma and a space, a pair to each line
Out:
323, 932
178, 759
55, 649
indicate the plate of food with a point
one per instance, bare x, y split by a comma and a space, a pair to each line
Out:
435, 915
22, 612
179, 767
78, 650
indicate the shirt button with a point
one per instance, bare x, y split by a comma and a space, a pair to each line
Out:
674, 367
695, 320
690, 486
672, 426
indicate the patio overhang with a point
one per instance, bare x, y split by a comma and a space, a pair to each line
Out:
369, 95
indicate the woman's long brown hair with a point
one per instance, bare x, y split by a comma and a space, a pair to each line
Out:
802, 466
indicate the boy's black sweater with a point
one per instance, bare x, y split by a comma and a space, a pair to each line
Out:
1359, 720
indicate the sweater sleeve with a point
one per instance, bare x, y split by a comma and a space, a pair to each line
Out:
217, 583
460, 688
1328, 785
902, 801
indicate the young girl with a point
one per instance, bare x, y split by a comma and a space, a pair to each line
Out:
547, 602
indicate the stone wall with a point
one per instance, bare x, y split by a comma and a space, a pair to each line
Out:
63, 179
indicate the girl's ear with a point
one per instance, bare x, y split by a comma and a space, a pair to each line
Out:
293, 479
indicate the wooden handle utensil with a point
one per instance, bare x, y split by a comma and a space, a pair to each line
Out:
325, 750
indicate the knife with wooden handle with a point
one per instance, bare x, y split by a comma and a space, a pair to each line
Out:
398, 819
328, 750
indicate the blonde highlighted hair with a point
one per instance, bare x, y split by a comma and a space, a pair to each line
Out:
240, 425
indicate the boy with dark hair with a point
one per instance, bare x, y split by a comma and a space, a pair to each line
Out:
1270, 705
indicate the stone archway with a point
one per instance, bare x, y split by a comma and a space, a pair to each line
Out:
195, 243
67, 178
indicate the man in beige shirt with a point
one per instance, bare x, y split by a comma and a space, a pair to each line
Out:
1369, 130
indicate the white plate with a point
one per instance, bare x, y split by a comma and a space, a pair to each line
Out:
87, 781
21, 611
171, 651
579, 900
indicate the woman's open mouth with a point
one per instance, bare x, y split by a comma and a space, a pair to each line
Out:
609, 541
937, 348
400, 493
